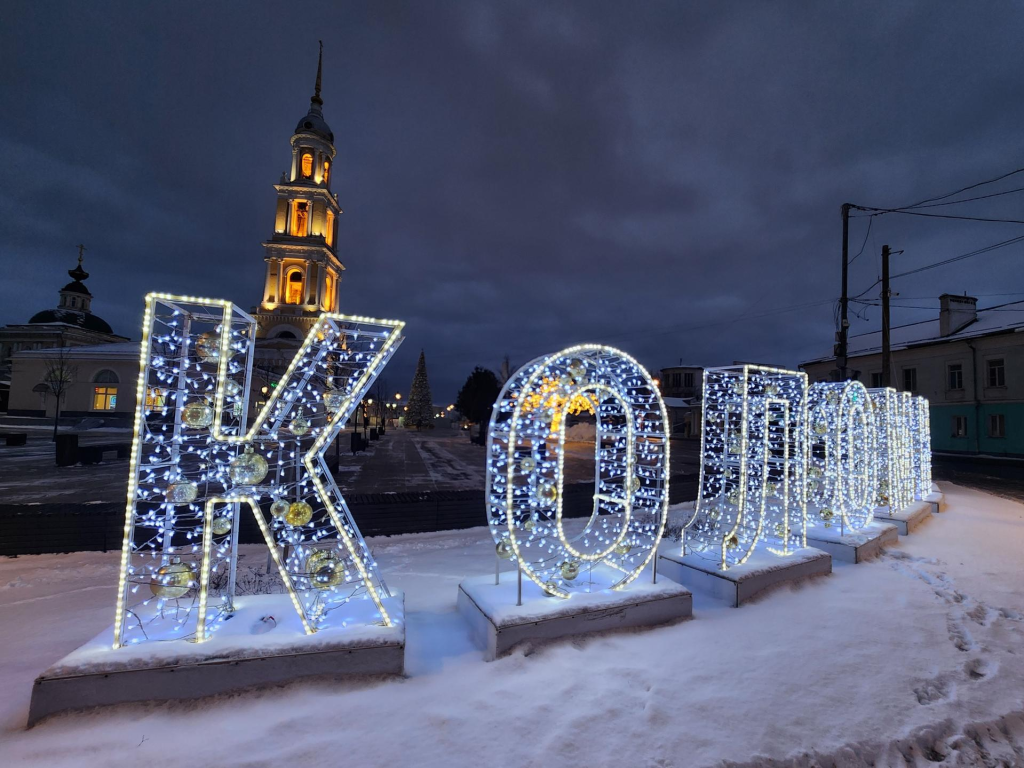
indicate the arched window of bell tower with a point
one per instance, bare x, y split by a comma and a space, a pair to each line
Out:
327, 172
307, 165
329, 292
300, 218
329, 229
294, 285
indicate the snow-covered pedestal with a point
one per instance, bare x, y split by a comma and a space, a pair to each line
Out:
762, 572
853, 546
245, 651
906, 519
935, 499
498, 624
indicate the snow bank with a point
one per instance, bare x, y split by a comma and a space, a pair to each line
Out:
909, 659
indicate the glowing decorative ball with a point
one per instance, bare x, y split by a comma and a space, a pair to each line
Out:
208, 347
635, 484
623, 548
528, 464
197, 414
299, 513
279, 509
334, 400
826, 514
181, 492
814, 472
570, 569
325, 569
733, 496
820, 427
530, 523
232, 388
732, 541
504, 549
771, 389
222, 525
547, 493
577, 369
247, 468
300, 424
550, 587
173, 580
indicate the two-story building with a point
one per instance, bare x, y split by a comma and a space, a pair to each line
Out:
969, 363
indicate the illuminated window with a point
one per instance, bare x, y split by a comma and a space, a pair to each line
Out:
327, 172
293, 288
329, 234
104, 398
156, 397
307, 165
329, 291
300, 218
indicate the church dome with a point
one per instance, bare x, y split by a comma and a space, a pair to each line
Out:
76, 287
314, 123
85, 320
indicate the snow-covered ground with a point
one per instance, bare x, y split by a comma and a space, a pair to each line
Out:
916, 658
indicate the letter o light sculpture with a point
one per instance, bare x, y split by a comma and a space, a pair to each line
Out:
841, 477
525, 470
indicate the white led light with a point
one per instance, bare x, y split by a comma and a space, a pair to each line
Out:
921, 436
753, 465
525, 470
895, 470
842, 478
181, 522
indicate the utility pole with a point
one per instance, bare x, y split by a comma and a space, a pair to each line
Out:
844, 302
886, 352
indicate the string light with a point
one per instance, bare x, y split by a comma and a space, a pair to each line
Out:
189, 474
895, 472
525, 470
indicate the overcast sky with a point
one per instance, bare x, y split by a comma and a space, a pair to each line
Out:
517, 177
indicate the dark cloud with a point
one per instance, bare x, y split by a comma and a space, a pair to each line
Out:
516, 176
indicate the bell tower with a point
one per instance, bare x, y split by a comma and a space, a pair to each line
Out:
303, 268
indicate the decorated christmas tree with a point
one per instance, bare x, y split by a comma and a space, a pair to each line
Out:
421, 408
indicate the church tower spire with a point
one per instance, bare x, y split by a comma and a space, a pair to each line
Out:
303, 268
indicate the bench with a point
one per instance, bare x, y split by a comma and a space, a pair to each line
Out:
93, 454
15, 438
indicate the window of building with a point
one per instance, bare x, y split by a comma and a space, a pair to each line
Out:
106, 376
910, 379
300, 218
996, 373
687, 379
329, 233
156, 397
955, 376
959, 426
293, 287
307, 165
996, 425
104, 398
876, 380
327, 172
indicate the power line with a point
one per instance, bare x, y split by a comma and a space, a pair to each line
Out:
883, 211
871, 220
962, 256
972, 199
965, 189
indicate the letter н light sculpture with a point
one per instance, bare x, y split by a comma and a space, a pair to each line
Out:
197, 457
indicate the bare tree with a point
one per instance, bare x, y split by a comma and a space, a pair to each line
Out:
60, 374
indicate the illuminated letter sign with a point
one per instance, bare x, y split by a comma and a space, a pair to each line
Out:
196, 460
525, 454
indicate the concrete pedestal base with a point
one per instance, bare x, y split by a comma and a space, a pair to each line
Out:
935, 499
907, 519
498, 624
239, 655
853, 546
739, 584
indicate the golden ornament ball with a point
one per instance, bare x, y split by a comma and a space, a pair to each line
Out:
635, 484
232, 388
530, 524
504, 549
771, 390
334, 400
222, 525
181, 492
247, 468
547, 493
528, 464
623, 548
570, 569
820, 427
299, 513
173, 580
551, 588
300, 424
279, 509
208, 347
197, 414
325, 569
732, 541
577, 368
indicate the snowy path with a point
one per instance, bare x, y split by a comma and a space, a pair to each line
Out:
916, 658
